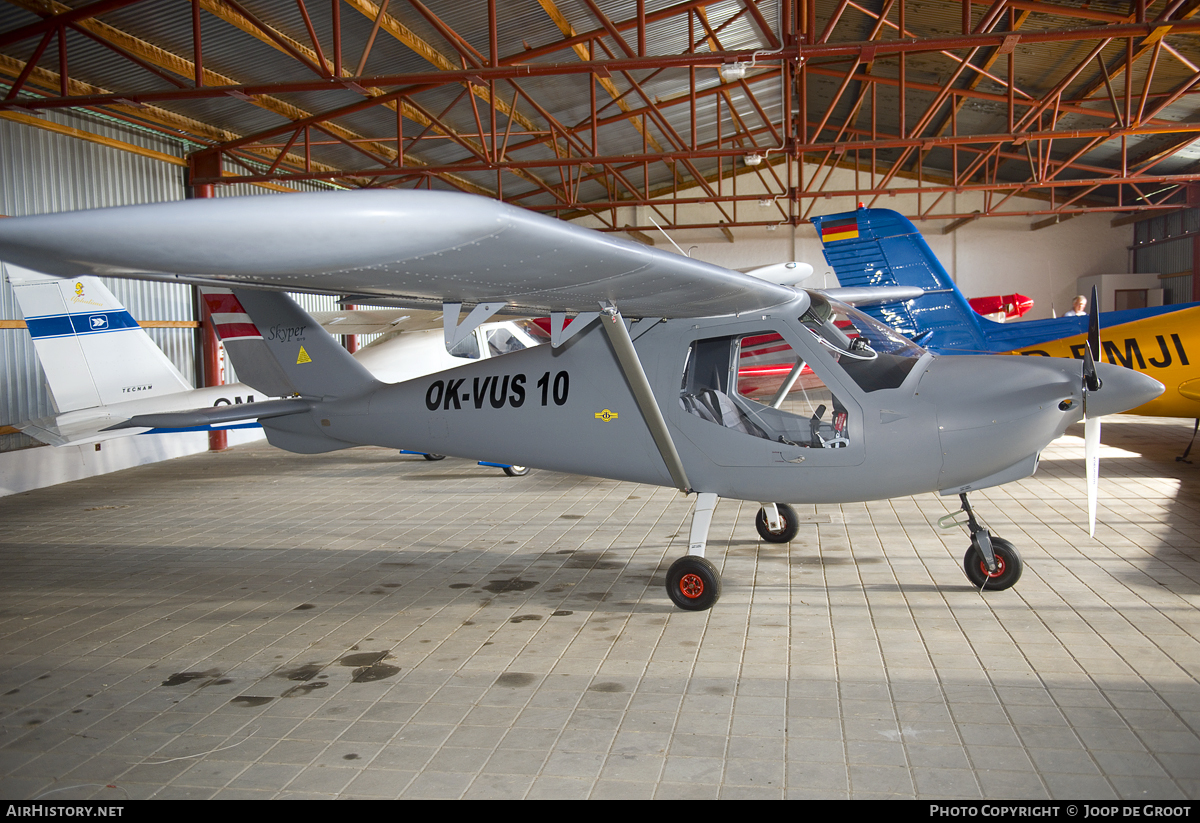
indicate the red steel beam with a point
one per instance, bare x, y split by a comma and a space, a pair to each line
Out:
414, 82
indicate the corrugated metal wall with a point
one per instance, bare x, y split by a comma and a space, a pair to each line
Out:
1163, 245
42, 172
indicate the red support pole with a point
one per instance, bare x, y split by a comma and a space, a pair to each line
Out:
350, 341
1195, 267
208, 165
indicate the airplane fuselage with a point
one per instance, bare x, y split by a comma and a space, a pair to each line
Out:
925, 423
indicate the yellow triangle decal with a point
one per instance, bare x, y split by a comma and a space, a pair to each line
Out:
303, 357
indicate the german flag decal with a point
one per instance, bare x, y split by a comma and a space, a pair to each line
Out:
842, 230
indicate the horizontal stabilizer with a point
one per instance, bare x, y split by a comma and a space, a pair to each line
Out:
874, 295
215, 416
54, 432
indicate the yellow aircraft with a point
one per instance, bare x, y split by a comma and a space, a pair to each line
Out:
879, 247
1158, 346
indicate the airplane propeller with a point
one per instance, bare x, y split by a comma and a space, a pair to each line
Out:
1091, 425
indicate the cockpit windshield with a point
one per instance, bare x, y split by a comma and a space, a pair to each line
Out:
872, 354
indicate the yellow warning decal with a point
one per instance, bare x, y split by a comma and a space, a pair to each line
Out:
606, 415
303, 357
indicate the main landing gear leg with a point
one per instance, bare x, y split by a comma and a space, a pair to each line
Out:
990, 562
1182, 458
693, 583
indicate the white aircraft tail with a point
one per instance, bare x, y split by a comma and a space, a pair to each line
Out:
92, 350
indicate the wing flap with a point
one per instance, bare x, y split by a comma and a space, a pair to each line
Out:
377, 321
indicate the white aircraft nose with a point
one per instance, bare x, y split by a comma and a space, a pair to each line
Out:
1121, 390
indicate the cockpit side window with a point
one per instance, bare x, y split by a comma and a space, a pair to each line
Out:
759, 385
513, 335
502, 341
468, 347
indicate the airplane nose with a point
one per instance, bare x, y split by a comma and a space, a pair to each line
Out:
1121, 389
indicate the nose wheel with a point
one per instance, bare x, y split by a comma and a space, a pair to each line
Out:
991, 562
1008, 565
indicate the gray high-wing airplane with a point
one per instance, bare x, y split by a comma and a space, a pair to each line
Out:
673, 372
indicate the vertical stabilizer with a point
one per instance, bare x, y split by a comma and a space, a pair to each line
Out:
880, 247
91, 349
279, 349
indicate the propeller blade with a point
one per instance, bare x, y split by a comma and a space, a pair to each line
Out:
1091, 425
1094, 323
1091, 452
1090, 381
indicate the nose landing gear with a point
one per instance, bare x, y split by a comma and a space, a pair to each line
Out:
990, 562
1008, 565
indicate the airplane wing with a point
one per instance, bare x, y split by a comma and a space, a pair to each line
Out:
423, 247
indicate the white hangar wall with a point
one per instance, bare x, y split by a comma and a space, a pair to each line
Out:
993, 255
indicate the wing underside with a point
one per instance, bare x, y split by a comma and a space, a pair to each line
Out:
421, 246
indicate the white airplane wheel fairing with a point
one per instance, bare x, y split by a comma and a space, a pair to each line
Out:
1008, 566
693, 583
791, 525
516, 471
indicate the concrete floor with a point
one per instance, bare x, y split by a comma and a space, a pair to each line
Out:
255, 624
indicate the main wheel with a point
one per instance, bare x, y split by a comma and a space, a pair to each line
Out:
693, 583
516, 471
1008, 565
790, 523
434, 456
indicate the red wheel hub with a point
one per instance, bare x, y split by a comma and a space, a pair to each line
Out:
999, 567
691, 585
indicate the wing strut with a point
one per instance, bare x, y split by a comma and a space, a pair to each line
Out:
561, 331
457, 332
618, 335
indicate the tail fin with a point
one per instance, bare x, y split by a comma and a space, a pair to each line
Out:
279, 349
91, 349
879, 247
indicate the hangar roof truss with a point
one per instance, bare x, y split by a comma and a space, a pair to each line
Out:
593, 106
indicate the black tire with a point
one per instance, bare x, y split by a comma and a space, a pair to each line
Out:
791, 525
516, 471
693, 583
434, 456
1008, 566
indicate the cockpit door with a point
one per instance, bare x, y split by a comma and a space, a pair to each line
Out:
754, 394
